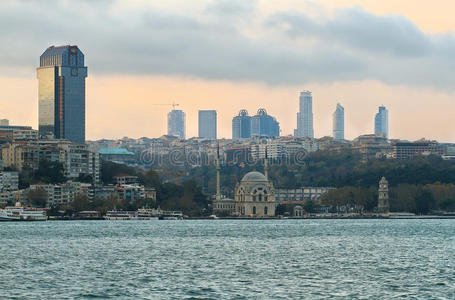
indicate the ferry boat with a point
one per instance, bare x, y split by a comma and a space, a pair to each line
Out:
171, 215
19, 212
119, 215
143, 214
146, 214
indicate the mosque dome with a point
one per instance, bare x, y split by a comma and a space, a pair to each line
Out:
254, 177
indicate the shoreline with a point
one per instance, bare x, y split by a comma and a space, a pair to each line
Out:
428, 217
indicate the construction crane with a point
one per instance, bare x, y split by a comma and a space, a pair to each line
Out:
173, 104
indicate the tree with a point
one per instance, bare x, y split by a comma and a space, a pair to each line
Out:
86, 178
38, 197
50, 172
309, 206
424, 202
80, 203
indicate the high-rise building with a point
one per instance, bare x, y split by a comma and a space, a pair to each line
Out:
176, 123
207, 124
305, 116
338, 122
241, 125
4, 122
263, 124
381, 122
61, 93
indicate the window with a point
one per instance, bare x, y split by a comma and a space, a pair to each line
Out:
254, 210
266, 210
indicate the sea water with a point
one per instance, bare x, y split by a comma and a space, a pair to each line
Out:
228, 259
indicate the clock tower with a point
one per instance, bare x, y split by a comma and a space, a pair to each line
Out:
383, 196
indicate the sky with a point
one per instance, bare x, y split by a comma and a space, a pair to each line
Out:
230, 55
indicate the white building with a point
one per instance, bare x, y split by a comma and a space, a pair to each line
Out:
255, 196
62, 194
9, 185
305, 116
338, 122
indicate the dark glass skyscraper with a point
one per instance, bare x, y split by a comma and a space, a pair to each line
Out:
207, 124
241, 125
61, 93
263, 124
381, 122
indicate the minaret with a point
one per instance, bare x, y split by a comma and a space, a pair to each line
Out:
266, 164
383, 197
218, 169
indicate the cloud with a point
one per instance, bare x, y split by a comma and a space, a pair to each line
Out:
289, 47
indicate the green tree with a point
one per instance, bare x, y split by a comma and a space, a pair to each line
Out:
50, 172
37, 197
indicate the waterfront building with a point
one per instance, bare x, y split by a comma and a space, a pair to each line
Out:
300, 195
4, 122
207, 124
338, 122
383, 196
305, 116
9, 185
381, 122
241, 125
176, 119
61, 93
263, 124
62, 194
255, 196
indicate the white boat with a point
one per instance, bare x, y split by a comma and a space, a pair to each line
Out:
19, 212
171, 215
119, 215
146, 214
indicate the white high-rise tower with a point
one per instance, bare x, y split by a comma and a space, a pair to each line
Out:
305, 116
338, 123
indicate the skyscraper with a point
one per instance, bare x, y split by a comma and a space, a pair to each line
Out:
176, 123
263, 124
241, 125
61, 93
305, 116
338, 122
381, 122
207, 124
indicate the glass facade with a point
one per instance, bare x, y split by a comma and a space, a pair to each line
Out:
381, 122
241, 125
338, 122
61, 93
207, 124
176, 123
264, 125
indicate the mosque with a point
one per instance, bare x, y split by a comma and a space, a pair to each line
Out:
254, 195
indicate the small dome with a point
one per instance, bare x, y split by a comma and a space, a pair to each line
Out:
254, 176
